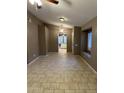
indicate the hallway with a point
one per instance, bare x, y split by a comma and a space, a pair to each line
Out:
60, 73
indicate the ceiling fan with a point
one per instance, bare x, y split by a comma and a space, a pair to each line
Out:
68, 2
38, 3
53, 1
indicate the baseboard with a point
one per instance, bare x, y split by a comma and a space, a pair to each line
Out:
88, 65
33, 60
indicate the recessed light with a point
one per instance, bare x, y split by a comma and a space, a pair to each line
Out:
62, 19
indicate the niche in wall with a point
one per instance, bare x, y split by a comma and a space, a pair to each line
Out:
86, 42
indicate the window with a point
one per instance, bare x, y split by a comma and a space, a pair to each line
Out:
89, 42
62, 39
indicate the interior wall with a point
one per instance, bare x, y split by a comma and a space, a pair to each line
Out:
32, 37
72, 41
47, 38
42, 39
93, 59
69, 39
76, 42
53, 38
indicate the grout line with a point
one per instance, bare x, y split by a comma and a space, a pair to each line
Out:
88, 65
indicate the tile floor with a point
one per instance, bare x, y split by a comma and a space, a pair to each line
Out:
62, 50
60, 73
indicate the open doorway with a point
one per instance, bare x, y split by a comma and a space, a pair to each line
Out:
62, 43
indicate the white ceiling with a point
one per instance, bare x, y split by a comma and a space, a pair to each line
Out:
77, 12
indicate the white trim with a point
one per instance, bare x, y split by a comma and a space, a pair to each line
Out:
88, 65
34, 60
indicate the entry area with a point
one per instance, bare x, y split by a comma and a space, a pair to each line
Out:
62, 43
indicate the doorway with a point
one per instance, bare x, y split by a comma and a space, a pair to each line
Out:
62, 43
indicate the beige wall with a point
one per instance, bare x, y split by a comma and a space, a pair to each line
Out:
32, 37
53, 41
76, 42
53, 32
69, 39
42, 39
47, 38
93, 59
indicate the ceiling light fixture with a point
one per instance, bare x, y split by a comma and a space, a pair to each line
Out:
62, 19
61, 30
